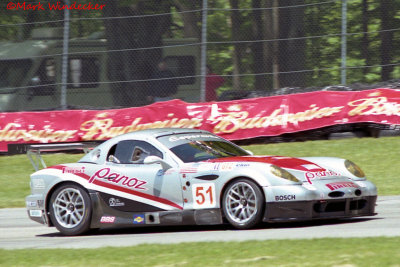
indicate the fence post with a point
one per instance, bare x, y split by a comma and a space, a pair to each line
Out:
275, 48
203, 55
64, 67
344, 42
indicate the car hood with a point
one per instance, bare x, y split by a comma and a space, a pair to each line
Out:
303, 169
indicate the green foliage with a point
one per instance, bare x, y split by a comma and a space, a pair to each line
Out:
322, 29
14, 176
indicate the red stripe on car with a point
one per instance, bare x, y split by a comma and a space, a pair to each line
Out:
121, 189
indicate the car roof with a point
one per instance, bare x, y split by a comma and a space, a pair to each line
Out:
136, 135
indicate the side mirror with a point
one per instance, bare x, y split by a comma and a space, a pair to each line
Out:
113, 159
154, 159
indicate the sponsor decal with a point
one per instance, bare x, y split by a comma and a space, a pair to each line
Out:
107, 219
285, 197
338, 185
138, 219
188, 169
241, 164
73, 170
115, 202
320, 174
118, 178
226, 166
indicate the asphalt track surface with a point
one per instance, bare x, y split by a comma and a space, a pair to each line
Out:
17, 231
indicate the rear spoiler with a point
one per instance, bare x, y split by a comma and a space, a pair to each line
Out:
34, 151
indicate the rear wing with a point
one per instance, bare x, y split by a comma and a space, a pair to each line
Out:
34, 151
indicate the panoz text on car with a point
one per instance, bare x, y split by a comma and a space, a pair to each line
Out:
192, 177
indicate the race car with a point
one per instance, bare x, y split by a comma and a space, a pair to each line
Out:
193, 177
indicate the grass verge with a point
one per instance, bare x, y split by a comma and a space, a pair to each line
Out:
14, 176
314, 252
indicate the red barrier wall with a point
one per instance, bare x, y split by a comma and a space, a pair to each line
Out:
234, 120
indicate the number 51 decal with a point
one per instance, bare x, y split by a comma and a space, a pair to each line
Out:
204, 196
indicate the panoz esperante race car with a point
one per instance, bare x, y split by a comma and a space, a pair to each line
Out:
192, 177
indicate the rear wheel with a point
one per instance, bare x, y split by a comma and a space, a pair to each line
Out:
70, 209
243, 203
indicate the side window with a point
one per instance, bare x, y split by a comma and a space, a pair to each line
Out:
132, 152
83, 72
111, 153
12, 71
182, 66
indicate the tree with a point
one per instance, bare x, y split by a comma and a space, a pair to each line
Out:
190, 19
292, 46
387, 20
365, 38
134, 43
236, 21
260, 61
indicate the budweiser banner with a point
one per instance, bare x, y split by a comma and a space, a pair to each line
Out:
234, 120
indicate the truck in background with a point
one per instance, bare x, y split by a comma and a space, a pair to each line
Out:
30, 72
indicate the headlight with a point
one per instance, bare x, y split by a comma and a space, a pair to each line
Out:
354, 169
281, 173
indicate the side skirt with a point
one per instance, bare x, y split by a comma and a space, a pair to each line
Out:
104, 216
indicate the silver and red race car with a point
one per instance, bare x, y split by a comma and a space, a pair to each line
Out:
192, 177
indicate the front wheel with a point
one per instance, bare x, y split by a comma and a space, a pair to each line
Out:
70, 209
243, 203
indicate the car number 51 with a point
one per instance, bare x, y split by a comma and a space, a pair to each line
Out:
204, 196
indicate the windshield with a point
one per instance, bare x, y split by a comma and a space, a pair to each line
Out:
196, 150
12, 72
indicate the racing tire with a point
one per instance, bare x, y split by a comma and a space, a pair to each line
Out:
70, 209
243, 204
